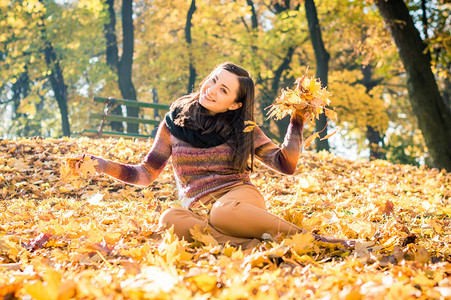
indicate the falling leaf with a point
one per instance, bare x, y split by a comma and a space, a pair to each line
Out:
250, 125
310, 139
329, 135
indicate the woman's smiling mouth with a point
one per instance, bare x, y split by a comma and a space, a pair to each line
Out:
207, 97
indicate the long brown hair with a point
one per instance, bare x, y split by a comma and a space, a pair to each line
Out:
230, 124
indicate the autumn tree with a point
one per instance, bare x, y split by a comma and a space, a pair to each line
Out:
52, 45
192, 69
363, 65
172, 43
23, 52
112, 55
276, 55
322, 65
56, 77
123, 64
434, 116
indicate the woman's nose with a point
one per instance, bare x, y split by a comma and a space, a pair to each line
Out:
212, 89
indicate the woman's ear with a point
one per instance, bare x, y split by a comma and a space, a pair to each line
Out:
235, 105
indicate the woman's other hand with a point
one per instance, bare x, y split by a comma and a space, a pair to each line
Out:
99, 163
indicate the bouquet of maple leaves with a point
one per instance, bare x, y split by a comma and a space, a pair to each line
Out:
309, 97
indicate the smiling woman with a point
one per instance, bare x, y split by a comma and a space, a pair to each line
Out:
212, 157
219, 92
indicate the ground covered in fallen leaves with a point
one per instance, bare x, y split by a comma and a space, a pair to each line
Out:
94, 238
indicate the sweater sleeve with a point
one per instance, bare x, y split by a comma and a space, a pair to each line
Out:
159, 154
281, 159
148, 170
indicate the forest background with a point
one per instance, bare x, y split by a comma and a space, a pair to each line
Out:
386, 63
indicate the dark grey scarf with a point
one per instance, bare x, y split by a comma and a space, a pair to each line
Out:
194, 137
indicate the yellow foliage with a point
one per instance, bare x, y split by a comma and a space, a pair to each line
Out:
355, 106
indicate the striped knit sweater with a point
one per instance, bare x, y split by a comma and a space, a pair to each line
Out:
200, 171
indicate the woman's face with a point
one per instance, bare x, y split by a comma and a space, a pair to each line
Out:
219, 91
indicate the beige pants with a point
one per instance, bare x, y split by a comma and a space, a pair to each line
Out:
238, 215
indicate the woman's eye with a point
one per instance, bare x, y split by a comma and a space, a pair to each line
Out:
224, 91
214, 80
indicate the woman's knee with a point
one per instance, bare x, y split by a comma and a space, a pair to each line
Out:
182, 220
171, 216
225, 211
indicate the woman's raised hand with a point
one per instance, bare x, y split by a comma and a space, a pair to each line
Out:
300, 115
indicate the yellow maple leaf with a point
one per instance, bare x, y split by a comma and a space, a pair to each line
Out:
250, 125
205, 282
67, 169
74, 167
50, 290
330, 114
300, 242
87, 166
202, 235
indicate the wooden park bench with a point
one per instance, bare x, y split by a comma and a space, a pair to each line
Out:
106, 117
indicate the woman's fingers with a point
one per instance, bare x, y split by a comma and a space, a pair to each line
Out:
302, 115
80, 159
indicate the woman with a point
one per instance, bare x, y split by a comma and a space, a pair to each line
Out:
212, 158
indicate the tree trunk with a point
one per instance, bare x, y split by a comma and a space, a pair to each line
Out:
322, 66
56, 77
282, 125
112, 56
271, 95
125, 64
434, 116
192, 70
447, 92
424, 18
374, 136
254, 18
253, 31
374, 139
59, 87
20, 90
